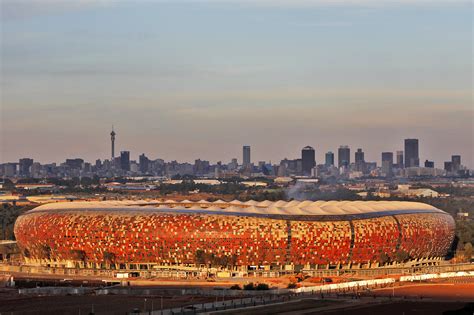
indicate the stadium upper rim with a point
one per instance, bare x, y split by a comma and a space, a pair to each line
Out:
249, 208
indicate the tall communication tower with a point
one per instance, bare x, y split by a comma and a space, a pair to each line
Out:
112, 139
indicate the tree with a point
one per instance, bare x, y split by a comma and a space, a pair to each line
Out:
465, 231
86, 181
8, 216
233, 260
75, 181
249, 286
96, 180
468, 251
292, 285
78, 255
45, 251
383, 258
8, 184
401, 256
262, 286
26, 253
200, 257
109, 257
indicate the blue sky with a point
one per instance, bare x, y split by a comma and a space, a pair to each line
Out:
198, 79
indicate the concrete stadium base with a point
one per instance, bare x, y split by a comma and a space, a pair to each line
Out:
179, 272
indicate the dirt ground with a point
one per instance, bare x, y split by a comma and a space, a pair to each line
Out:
290, 307
442, 291
360, 307
424, 298
12, 303
406, 308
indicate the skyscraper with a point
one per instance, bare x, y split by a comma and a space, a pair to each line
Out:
125, 160
144, 163
400, 159
343, 156
112, 139
429, 164
25, 166
75, 163
448, 166
329, 159
387, 163
233, 164
246, 156
308, 160
412, 158
456, 162
359, 160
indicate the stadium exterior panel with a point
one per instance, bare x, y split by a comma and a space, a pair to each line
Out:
233, 233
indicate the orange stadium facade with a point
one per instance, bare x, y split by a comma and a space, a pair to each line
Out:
239, 235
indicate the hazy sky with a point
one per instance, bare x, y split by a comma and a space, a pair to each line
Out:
199, 79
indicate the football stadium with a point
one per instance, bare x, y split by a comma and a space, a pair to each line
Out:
232, 235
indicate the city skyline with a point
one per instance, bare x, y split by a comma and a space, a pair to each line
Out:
200, 79
345, 157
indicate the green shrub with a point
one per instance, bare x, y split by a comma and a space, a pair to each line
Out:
292, 285
249, 286
262, 286
235, 287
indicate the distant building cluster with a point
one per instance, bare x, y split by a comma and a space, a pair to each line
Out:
404, 163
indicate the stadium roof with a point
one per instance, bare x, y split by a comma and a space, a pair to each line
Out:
292, 208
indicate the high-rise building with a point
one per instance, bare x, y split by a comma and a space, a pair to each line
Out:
429, 164
308, 160
144, 163
456, 161
448, 166
283, 168
112, 140
387, 163
299, 166
359, 156
233, 165
76, 164
412, 158
87, 167
201, 167
9, 169
25, 166
125, 160
246, 156
400, 159
329, 159
359, 161
343, 156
